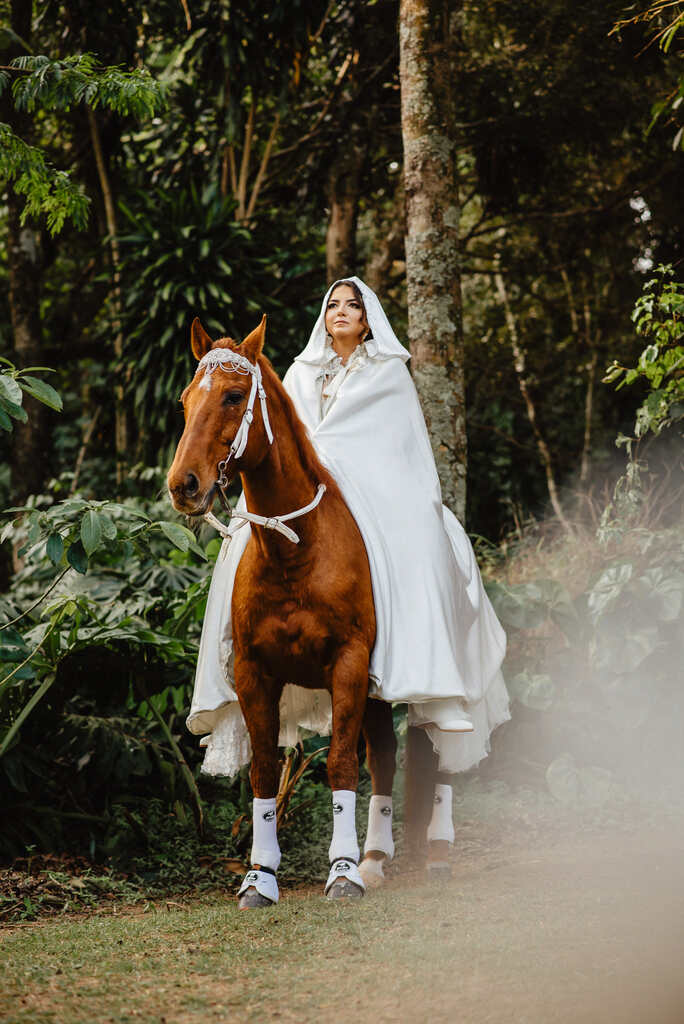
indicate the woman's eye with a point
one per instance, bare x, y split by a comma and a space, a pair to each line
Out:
232, 398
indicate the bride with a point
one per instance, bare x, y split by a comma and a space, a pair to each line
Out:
439, 645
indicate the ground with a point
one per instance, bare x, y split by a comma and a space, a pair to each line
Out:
538, 925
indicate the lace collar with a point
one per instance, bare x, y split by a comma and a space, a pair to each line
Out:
332, 362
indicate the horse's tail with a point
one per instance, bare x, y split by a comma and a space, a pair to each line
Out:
419, 789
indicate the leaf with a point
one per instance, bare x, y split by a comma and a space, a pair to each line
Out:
536, 692
55, 548
26, 711
16, 411
608, 588
77, 557
108, 526
622, 649
91, 531
9, 389
177, 534
45, 393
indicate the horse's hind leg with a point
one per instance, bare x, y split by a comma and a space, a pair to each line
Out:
381, 749
427, 804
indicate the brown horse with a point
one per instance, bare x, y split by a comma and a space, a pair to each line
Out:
300, 611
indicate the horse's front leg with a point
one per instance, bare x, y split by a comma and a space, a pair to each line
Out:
259, 700
349, 693
381, 749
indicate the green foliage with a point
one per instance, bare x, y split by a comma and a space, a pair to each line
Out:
14, 383
659, 319
184, 255
47, 191
58, 85
131, 611
666, 25
617, 666
61, 84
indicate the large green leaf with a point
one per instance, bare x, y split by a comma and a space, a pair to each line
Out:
177, 534
9, 389
43, 392
77, 557
91, 531
55, 548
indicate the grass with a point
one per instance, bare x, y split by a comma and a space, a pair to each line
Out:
537, 926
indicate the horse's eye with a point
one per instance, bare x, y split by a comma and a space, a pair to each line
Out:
232, 398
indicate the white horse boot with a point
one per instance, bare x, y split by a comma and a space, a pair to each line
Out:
379, 845
440, 833
259, 886
344, 880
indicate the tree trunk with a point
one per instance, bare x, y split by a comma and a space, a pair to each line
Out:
120, 418
432, 240
389, 247
29, 459
343, 199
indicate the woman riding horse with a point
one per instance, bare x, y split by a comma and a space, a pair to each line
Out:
436, 642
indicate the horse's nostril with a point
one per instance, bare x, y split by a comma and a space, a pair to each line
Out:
191, 484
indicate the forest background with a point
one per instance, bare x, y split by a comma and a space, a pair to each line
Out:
225, 160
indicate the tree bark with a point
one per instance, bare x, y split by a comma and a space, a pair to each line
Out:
432, 235
390, 247
343, 199
29, 458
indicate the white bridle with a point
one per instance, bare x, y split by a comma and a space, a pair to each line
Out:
232, 362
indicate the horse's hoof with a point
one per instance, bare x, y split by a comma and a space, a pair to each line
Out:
438, 870
251, 899
343, 889
371, 871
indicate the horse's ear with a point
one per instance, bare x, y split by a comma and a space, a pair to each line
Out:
253, 344
199, 339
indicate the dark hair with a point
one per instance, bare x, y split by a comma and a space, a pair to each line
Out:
357, 292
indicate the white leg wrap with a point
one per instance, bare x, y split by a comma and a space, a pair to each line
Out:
344, 842
264, 883
379, 836
441, 824
265, 849
344, 869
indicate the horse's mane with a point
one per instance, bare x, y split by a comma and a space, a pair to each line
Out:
307, 452
310, 461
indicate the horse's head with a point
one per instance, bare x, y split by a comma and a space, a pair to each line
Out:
215, 403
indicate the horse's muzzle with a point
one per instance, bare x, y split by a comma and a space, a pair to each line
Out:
187, 498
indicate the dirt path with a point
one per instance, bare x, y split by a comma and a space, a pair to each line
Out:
571, 929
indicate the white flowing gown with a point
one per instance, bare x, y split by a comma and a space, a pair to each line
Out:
439, 645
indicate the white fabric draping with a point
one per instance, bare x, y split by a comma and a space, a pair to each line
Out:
439, 645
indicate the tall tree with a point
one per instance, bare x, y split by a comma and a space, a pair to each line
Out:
432, 240
25, 263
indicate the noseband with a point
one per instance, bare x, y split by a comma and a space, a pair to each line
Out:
232, 362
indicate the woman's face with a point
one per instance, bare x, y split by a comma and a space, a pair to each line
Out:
345, 319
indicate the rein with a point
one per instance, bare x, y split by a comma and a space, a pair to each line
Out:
219, 357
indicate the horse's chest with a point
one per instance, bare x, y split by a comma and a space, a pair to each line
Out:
292, 638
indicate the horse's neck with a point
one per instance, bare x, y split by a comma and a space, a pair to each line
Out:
283, 482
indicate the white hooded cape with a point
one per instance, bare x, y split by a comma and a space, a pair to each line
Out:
438, 642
